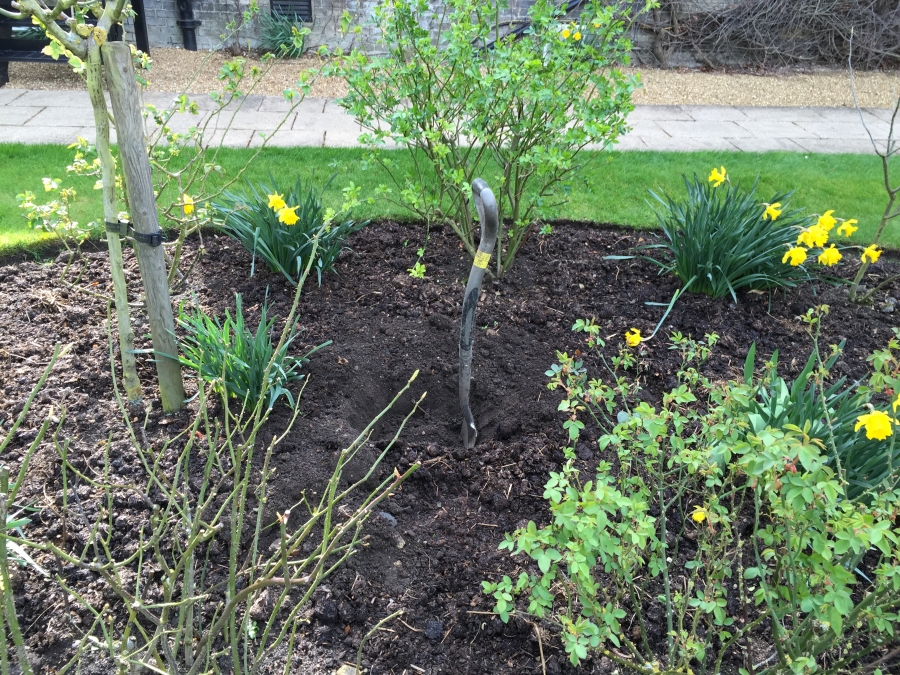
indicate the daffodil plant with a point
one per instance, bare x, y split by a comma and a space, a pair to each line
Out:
721, 240
280, 226
474, 92
817, 235
700, 543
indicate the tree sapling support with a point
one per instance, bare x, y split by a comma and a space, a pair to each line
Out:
486, 205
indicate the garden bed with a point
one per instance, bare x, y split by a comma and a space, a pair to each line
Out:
453, 512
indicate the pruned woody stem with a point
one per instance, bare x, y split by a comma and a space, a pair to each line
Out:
207, 487
892, 208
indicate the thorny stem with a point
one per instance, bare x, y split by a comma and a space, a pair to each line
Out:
6, 592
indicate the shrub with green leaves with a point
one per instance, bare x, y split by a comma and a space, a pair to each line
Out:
827, 414
239, 363
722, 240
283, 236
472, 92
702, 541
281, 34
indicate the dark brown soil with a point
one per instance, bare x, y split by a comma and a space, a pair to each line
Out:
453, 512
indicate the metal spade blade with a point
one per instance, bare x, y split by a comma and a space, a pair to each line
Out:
486, 205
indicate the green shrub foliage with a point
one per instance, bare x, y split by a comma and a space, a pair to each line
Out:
282, 34
828, 414
473, 92
739, 540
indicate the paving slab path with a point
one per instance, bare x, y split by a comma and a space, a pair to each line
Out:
61, 116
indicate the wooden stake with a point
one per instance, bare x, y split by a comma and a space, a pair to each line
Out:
125, 99
130, 381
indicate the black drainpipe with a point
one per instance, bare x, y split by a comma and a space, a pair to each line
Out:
188, 24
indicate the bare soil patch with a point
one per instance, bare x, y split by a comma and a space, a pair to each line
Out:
452, 514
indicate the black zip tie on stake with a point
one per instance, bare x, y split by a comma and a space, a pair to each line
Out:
125, 229
119, 228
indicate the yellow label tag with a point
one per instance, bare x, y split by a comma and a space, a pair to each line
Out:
482, 259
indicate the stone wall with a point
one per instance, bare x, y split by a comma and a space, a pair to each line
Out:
216, 14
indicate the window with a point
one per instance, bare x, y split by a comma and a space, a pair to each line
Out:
302, 9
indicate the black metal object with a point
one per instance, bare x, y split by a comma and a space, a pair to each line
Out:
486, 204
298, 10
188, 24
14, 48
141, 38
153, 239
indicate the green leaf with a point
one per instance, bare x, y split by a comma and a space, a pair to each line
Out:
544, 562
836, 619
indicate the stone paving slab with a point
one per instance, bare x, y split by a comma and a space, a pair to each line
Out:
7, 96
66, 100
767, 144
716, 113
707, 129
771, 129
62, 116
655, 113
884, 114
36, 135
57, 118
260, 121
16, 116
855, 146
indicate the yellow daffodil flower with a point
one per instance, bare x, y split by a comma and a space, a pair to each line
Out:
632, 337
846, 228
566, 33
871, 252
830, 256
796, 256
699, 514
772, 211
188, 204
276, 202
877, 424
718, 176
577, 36
288, 216
596, 25
814, 237
826, 220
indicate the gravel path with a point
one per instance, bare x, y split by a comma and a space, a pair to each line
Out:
173, 70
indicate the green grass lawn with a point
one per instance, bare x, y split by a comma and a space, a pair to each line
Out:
612, 189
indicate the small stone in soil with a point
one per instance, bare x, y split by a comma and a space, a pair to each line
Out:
327, 611
434, 630
584, 452
388, 517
